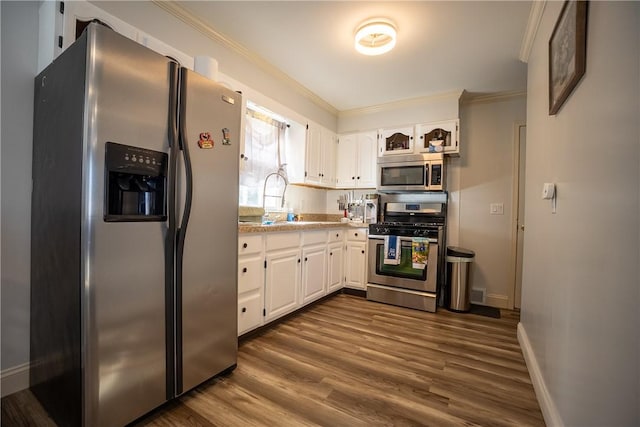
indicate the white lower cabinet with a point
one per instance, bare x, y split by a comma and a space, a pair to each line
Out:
336, 260
279, 272
356, 259
250, 282
282, 274
314, 265
250, 307
314, 273
335, 264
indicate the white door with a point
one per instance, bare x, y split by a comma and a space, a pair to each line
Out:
367, 146
346, 161
314, 266
281, 282
355, 266
336, 264
522, 136
313, 170
328, 177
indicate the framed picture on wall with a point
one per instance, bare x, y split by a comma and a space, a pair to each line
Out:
567, 52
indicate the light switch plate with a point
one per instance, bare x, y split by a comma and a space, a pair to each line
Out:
496, 208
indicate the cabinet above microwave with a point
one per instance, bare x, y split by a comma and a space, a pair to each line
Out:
395, 141
435, 137
438, 137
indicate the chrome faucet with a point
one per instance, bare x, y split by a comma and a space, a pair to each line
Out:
281, 173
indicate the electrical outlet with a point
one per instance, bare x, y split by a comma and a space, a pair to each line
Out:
496, 208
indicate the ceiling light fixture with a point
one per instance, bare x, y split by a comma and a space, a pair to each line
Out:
375, 37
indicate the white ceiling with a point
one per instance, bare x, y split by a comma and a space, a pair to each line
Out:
442, 45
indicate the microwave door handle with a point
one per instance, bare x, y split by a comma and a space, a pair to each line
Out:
426, 175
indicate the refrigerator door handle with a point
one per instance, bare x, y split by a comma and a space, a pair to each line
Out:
182, 229
171, 235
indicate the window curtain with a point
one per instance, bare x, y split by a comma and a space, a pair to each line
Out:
264, 139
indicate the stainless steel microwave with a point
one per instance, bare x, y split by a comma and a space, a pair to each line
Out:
412, 172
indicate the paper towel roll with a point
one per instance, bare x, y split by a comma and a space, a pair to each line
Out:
207, 66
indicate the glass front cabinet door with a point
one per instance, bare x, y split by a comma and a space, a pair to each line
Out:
438, 137
395, 141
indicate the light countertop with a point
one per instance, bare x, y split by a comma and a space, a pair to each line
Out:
256, 227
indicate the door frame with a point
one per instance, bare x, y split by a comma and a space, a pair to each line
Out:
514, 211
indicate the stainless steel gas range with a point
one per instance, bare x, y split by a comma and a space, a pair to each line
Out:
406, 250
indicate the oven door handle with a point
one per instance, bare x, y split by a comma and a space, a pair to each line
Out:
402, 238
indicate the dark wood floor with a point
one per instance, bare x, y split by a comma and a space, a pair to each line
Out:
350, 362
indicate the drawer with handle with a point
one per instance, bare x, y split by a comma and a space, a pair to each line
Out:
250, 273
358, 235
336, 235
249, 244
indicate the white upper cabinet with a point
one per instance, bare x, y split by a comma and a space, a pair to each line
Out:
356, 160
395, 141
311, 157
438, 137
329, 147
346, 161
366, 165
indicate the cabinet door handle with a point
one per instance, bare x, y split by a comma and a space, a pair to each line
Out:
298, 260
244, 309
245, 245
337, 234
305, 259
330, 253
353, 177
244, 270
358, 177
362, 251
356, 234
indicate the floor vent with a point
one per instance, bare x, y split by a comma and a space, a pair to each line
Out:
478, 295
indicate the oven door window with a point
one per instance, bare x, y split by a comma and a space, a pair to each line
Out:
404, 269
402, 175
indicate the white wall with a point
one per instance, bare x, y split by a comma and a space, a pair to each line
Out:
155, 21
486, 176
306, 199
581, 292
408, 112
19, 61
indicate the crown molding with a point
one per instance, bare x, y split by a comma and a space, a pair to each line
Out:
535, 16
404, 103
198, 24
485, 98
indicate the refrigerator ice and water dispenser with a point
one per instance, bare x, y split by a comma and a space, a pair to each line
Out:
135, 187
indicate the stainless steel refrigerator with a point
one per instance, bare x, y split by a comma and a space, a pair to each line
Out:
134, 231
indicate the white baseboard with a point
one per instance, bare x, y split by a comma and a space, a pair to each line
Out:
549, 411
497, 300
14, 379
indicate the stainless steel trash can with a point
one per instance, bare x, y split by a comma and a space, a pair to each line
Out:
459, 262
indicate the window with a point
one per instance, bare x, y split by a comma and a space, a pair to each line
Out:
264, 142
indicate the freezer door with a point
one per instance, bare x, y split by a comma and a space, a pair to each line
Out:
123, 262
207, 242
